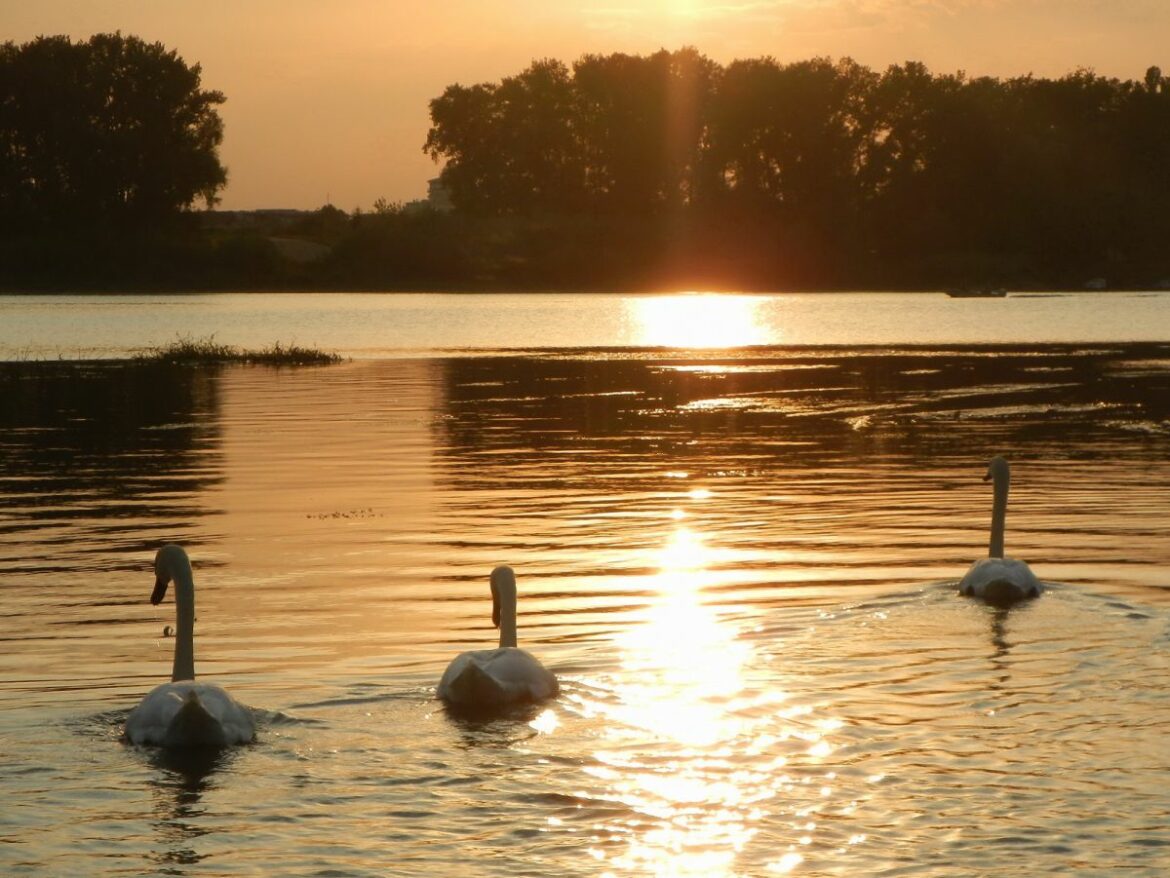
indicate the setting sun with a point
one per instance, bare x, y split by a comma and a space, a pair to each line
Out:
690, 320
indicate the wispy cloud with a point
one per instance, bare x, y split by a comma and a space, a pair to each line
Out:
792, 15
807, 16
840, 13
683, 11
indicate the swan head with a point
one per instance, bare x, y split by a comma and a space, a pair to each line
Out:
997, 469
167, 561
503, 582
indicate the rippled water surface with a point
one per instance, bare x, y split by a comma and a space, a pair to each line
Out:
377, 325
740, 564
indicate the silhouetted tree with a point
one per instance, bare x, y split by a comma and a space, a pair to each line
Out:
641, 125
510, 148
619, 133
112, 130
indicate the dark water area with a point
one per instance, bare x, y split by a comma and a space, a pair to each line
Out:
740, 563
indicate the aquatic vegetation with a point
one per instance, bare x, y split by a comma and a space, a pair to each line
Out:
186, 351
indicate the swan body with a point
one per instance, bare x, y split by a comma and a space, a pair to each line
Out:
487, 677
490, 679
189, 714
184, 713
1000, 581
996, 579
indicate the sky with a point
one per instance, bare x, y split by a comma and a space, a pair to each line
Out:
327, 100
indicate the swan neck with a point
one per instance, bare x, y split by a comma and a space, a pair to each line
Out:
998, 515
507, 619
184, 666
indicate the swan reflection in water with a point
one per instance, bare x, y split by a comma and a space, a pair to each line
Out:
180, 780
698, 742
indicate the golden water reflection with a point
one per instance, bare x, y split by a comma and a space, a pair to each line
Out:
696, 747
699, 320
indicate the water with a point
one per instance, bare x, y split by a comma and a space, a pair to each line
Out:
376, 325
741, 564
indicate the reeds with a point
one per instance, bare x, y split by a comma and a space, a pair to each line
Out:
191, 351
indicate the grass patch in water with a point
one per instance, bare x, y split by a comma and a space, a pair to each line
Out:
187, 351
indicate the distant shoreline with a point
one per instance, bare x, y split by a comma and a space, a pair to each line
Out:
610, 291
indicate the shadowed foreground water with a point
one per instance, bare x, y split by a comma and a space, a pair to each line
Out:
741, 565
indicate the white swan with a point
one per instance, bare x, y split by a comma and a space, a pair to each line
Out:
996, 579
488, 679
184, 713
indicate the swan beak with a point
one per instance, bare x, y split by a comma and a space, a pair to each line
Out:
987, 477
495, 607
160, 591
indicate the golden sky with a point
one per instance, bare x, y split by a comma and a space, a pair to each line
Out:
327, 99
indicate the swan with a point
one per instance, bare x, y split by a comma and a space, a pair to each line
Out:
489, 679
996, 579
184, 713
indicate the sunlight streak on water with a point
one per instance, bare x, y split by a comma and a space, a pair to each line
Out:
682, 663
699, 321
690, 744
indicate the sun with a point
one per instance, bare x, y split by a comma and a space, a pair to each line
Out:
684, 8
698, 320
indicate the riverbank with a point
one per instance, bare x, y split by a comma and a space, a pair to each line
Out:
426, 250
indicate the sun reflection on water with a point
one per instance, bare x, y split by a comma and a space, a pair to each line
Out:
695, 749
692, 320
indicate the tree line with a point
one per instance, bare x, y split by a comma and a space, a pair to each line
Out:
619, 171
823, 172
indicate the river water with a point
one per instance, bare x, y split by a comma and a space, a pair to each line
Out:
736, 529
377, 325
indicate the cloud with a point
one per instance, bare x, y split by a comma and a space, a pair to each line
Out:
789, 15
664, 12
836, 13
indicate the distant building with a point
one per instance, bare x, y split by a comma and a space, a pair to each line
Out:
438, 197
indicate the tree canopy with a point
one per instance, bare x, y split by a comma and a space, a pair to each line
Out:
828, 172
113, 130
